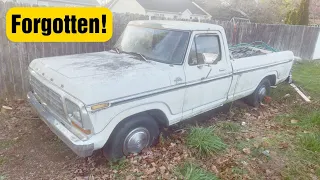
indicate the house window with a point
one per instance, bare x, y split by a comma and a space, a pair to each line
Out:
159, 15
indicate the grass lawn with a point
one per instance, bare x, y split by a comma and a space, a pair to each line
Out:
307, 76
304, 122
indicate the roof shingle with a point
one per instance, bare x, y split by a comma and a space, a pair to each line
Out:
171, 6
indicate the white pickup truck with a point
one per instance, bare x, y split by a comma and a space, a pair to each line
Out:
158, 74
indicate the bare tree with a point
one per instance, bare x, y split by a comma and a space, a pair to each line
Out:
261, 11
315, 12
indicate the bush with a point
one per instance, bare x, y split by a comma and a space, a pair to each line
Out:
204, 140
190, 171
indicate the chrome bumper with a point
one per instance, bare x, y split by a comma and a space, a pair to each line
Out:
81, 148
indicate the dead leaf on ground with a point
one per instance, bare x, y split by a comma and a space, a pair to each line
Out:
130, 177
222, 160
247, 151
214, 169
20, 101
162, 169
151, 170
283, 145
313, 177
265, 144
269, 172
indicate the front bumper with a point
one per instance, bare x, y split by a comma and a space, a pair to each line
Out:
81, 148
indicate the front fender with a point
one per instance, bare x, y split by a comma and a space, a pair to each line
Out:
106, 132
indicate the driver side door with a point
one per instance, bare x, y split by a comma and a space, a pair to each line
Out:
207, 83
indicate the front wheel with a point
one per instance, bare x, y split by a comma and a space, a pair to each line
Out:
262, 91
131, 136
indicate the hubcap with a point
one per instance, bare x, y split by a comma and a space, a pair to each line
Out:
262, 93
136, 140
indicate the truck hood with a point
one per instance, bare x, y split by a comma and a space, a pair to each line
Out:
104, 76
92, 64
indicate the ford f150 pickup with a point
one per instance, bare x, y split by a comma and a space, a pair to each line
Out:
158, 74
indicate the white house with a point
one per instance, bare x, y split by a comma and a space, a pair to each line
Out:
60, 2
174, 9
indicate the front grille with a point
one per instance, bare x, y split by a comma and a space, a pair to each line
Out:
47, 96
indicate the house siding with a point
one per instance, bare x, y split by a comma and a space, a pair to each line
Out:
169, 15
50, 3
186, 14
162, 14
27, 1
133, 6
124, 6
41, 3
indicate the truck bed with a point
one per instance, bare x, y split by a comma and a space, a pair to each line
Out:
248, 50
242, 52
263, 60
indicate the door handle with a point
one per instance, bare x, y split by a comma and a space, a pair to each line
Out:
203, 65
221, 70
199, 66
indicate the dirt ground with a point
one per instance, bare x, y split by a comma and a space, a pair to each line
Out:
29, 150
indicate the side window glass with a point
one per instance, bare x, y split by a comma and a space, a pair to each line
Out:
193, 55
205, 50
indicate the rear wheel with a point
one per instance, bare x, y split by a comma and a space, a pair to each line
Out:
258, 96
131, 136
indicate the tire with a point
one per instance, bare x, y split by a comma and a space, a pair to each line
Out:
141, 131
289, 79
257, 96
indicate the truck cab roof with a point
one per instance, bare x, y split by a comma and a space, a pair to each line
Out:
177, 25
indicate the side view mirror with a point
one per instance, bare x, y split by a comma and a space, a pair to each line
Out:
210, 58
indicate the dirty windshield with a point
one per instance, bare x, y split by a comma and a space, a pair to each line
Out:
166, 46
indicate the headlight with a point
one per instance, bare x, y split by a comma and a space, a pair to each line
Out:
73, 112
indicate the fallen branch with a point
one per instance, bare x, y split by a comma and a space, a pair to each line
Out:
5, 109
300, 92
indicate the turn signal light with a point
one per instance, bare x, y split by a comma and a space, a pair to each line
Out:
100, 106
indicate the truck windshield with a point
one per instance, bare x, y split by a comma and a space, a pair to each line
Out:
166, 46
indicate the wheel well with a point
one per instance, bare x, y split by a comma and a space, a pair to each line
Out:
157, 114
272, 79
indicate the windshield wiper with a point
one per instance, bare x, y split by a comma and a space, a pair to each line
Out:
116, 49
143, 57
138, 54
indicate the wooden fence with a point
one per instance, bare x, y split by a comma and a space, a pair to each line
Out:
15, 57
